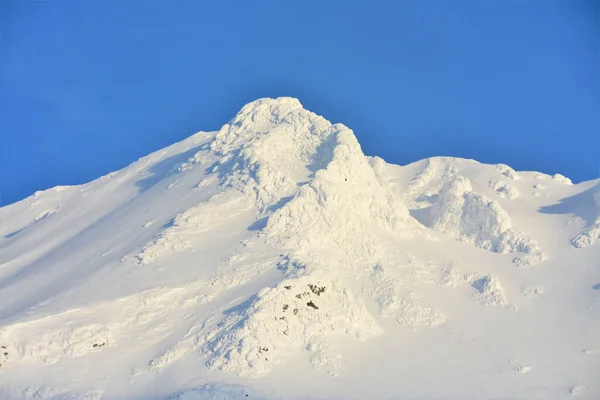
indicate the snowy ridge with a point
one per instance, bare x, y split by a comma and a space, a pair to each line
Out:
229, 261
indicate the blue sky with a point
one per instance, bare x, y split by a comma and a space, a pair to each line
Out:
89, 87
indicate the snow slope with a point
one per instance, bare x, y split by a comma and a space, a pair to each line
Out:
274, 260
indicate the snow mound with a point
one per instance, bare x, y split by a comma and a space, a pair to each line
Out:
473, 218
588, 237
285, 319
467, 215
504, 189
453, 276
507, 171
562, 179
592, 233
491, 292
447, 202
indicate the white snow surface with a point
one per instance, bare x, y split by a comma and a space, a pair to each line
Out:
274, 260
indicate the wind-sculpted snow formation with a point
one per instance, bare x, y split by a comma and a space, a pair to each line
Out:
592, 232
274, 244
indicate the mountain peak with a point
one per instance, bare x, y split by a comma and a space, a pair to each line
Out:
275, 106
274, 146
240, 250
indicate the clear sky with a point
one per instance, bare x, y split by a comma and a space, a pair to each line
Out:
88, 87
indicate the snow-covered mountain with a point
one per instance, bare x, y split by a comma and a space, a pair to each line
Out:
274, 260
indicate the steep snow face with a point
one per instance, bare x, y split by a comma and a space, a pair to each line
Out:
275, 249
318, 193
341, 208
276, 151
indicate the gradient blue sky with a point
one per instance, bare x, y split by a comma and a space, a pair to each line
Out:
89, 87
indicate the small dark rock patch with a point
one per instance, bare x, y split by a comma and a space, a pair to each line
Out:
295, 311
285, 307
98, 345
313, 305
316, 289
288, 288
